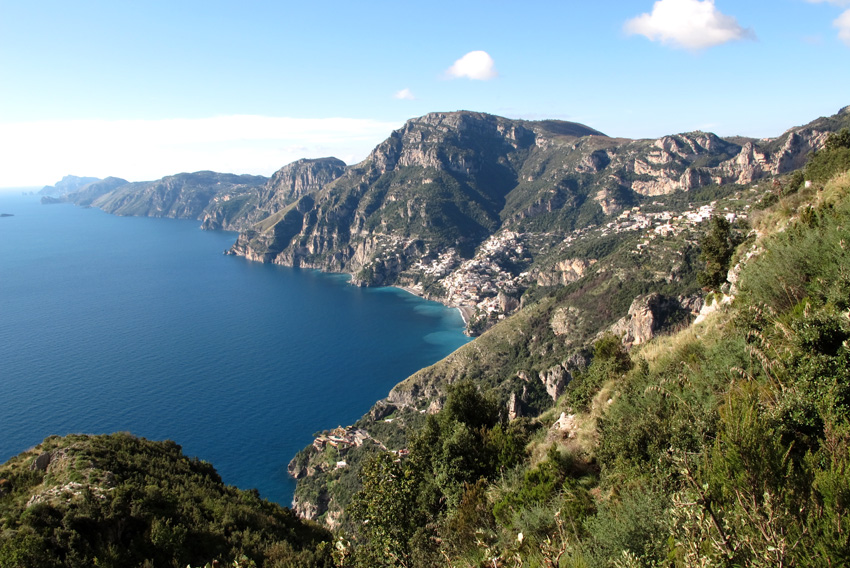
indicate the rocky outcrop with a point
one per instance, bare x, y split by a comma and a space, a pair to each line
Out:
41, 462
515, 407
564, 272
651, 313
567, 321
566, 426
310, 510
556, 378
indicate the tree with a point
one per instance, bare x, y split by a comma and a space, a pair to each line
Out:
387, 510
717, 246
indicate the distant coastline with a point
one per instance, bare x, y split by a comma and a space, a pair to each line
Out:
465, 311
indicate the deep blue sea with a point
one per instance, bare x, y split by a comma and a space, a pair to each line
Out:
143, 325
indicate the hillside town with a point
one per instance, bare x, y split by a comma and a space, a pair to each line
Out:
486, 285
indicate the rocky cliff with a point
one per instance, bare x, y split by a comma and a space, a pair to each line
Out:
287, 185
447, 186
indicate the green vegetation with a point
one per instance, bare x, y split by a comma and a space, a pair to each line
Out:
833, 159
124, 501
726, 444
717, 247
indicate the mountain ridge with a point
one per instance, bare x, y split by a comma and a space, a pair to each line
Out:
569, 430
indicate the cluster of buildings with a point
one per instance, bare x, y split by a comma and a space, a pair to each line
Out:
476, 284
665, 223
341, 438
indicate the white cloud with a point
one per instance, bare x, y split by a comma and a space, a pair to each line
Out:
40, 153
834, 2
476, 65
843, 25
405, 95
691, 24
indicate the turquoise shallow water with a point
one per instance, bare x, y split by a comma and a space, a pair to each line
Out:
143, 325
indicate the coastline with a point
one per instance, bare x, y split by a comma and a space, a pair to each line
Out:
465, 311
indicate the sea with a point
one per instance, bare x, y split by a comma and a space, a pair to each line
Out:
143, 325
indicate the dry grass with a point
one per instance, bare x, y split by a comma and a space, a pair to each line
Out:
777, 217
658, 351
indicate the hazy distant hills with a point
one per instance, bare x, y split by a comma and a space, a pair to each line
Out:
67, 185
185, 195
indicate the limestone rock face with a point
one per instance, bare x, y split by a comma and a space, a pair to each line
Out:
555, 380
565, 271
646, 316
381, 410
566, 425
514, 407
566, 321
309, 511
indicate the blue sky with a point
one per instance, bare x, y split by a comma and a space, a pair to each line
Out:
145, 89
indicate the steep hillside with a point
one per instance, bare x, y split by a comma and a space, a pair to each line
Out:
725, 443
184, 196
449, 188
123, 501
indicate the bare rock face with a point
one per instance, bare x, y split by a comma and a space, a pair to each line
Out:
381, 410
435, 407
516, 403
608, 201
566, 425
514, 410
692, 304
567, 321
309, 511
555, 380
565, 271
300, 178
595, 161
646, 316
507, 303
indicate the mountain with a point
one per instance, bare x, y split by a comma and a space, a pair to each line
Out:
67, 184
288, 184
661, 376
87, 194
220, 201
185, 195
587, 430
446, 186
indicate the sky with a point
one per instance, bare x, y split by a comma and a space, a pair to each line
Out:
140, 90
